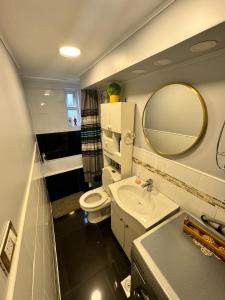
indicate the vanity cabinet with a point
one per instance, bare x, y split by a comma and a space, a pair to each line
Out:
117, 224
129, 236
123, 229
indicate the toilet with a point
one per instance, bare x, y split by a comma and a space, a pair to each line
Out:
97, 202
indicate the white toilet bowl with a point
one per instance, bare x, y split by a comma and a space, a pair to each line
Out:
97, 202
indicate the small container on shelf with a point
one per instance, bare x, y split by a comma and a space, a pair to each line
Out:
138, 180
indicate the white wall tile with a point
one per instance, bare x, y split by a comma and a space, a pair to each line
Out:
37, 240
162, 163
135, 170
220, 215
167, 188
38, 283
212, 186
145, 156
24, 276
193, 204
183, 173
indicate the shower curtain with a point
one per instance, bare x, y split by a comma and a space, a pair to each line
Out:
91, 135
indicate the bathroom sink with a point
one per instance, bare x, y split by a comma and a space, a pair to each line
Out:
136, 198
148, 208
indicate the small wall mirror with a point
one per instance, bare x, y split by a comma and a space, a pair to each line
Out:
174, 119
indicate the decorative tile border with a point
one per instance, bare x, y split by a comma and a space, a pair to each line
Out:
181, 184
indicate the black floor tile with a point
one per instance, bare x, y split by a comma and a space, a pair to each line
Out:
103, 283
66, 225
89, 258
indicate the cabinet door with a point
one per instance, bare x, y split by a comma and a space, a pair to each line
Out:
117, 224
105, 122
115, 117
129, 236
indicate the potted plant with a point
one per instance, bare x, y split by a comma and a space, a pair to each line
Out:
113, 90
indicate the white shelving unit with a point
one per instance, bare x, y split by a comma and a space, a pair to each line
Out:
117, 123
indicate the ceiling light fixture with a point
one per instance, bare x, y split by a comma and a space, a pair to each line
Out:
138, 71
69, 51
42, 103
47, 93
162, 62
203, 46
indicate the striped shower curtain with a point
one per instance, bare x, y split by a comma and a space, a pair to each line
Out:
91, 135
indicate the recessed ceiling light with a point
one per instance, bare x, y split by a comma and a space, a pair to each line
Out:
162, 62
138, 71
42, 103
47, 93
69, 51
203, 46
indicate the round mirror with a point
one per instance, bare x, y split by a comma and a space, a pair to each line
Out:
174, 119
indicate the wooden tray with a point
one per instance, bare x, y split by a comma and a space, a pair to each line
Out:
206, 238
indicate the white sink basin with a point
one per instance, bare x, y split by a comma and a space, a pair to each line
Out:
148, 208
136, 199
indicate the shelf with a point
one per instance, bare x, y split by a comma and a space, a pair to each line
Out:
115, 157
119, 117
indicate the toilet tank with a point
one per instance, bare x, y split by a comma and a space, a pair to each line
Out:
109, 176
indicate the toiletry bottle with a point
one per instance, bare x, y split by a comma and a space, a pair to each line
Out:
138, 180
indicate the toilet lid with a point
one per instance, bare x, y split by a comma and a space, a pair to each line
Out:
93, 199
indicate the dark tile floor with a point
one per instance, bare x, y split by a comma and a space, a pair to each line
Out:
90, 259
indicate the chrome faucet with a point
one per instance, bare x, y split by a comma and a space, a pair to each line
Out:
149, 184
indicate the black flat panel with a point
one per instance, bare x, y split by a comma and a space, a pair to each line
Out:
64, 184
89, 259
59, 144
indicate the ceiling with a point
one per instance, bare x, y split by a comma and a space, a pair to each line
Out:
179, 53
34, 30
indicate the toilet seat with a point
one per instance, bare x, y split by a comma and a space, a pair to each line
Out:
93, 199
97, 203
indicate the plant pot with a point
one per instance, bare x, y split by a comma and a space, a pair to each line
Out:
114, 98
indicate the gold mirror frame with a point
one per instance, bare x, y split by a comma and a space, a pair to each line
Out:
204, 122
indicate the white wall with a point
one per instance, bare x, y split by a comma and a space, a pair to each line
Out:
207, 75
17, 149
52, 116
34, 275
17, 146
180, 21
